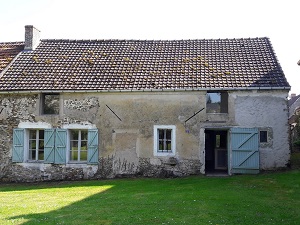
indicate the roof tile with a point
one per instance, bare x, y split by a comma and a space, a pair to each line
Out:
8, 51
137, 65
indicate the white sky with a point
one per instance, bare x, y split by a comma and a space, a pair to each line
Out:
161, 19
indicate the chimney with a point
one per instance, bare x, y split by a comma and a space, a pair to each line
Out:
32, 37
293, 95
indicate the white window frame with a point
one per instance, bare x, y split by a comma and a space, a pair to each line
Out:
156, 151
79, 144
75, 126
31, 126
37, 139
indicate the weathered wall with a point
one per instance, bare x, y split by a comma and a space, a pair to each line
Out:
267, 111
125, 122
125, 133
14, 109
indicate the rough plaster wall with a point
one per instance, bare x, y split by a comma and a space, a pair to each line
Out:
126, 148
125, 122
13, 110
266, 110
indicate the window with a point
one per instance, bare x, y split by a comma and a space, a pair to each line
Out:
36, 145
263, 136
78, 145
55, 145
164, 140
217, 102
50, 104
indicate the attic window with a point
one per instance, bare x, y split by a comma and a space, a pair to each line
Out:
217, 102
50, 104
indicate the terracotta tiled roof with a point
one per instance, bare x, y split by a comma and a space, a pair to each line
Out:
143, 65
8, 51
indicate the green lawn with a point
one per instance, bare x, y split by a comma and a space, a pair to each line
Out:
272, 198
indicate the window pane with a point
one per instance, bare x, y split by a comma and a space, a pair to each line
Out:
41, 134
168, 145
32, 134
84, 135
83, 145
32, 144
160, 145
263, 136
83, 155
41, 144
168, 134
74, 134
74, 155
161, 133
32, 154
74, 145
41, 154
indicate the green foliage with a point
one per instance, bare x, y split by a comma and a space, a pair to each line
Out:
297, 142
257, 199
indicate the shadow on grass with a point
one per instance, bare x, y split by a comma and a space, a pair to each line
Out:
6, 187
260, 199
120, 202
89, 210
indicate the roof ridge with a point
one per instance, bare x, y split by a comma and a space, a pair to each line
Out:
148, 40
13, 42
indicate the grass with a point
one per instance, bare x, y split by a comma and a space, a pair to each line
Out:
272, 198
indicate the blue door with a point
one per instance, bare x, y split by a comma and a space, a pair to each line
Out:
244, 150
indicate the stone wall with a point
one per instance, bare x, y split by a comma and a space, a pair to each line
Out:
125, 122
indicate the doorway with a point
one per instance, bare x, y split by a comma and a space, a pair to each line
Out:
216, 151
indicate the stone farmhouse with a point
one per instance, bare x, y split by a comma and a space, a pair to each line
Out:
92, 109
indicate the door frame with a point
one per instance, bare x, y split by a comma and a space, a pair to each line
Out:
227, 129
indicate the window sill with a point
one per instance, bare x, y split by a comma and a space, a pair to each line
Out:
217, 113
34, 161
164, 154
77, 162
217, 117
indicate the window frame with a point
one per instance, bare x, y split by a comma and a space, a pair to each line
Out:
223, 102
156, 150
79, 151
37, 139
55, 143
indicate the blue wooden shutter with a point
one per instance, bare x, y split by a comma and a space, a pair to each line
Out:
60, 146
244, 147
92, 146
18, 145
49, 145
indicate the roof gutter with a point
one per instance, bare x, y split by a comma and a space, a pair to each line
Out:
146, 90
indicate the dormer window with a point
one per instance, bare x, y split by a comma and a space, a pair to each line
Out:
50, 104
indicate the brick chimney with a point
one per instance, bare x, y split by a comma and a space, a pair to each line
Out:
32, 37
293, 95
